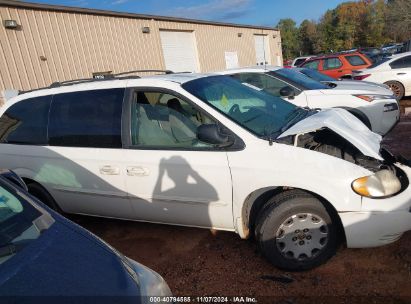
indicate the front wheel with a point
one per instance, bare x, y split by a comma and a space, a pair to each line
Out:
295, 232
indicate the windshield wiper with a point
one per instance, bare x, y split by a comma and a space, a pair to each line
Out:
8, 250
300, 114
13, 248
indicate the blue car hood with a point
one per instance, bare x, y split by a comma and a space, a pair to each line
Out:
66, 260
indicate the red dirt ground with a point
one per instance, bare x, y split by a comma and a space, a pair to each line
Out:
200, 262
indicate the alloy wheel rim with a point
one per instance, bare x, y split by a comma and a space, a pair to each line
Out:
302, 236
395, 89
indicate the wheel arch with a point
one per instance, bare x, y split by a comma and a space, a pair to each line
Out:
397, 81
360, 115
256, 200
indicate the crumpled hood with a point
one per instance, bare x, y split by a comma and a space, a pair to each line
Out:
343, 123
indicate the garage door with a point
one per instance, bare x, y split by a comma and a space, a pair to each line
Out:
262, 50
179, 51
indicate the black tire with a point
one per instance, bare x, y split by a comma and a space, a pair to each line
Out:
42, 195
397, 88
277, 212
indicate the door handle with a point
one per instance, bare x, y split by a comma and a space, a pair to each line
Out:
401, 73
109, 170
137, 171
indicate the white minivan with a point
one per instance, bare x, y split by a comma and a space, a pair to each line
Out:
209, 151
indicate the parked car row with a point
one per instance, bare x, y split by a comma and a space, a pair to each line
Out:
179, 149
391, 70
374, 105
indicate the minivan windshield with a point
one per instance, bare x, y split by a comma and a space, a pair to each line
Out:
16, 222
261, 113
301, 80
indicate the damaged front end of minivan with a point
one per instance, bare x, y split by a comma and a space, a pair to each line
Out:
326, 132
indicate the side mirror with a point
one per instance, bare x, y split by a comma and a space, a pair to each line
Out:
287, 91
210, 134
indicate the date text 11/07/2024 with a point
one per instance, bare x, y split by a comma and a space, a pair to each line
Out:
204, 299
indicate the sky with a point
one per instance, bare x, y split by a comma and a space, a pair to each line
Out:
253, 12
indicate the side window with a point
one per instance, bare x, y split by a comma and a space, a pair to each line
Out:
299, 61
355, 60
312, 64
87, 119
26, 122
401, 63
165, 121
332, 63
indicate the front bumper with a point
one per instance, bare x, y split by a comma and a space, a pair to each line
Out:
380, 221
373, 229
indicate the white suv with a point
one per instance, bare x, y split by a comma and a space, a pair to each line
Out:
208, 151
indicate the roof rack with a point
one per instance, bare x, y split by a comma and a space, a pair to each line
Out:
107, 77
143, 71
102, 78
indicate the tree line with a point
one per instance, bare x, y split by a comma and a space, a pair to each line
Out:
363, 23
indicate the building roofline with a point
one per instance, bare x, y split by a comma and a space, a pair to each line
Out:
71, 9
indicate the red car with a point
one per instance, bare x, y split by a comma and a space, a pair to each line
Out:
338, 65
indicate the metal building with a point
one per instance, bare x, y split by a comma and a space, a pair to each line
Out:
40, 44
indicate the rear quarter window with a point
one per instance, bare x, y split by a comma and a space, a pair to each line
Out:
312, 64
87, 119
332, 63
26, 122
355, 60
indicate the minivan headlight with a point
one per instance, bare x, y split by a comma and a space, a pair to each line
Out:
381, 184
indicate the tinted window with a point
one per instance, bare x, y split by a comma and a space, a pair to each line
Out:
87, 119
312, 64
262, 81
332, 63
300, 79
26, 122
165, 121
316, 75
299, 61
355, 60
401, 63
379, 62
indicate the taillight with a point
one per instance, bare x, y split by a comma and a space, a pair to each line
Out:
362, 77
